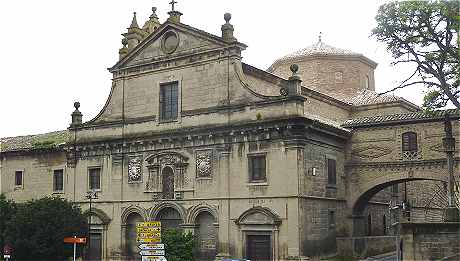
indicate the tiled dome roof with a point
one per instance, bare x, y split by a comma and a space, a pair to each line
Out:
319, 48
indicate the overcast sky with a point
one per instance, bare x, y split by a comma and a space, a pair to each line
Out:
55, 52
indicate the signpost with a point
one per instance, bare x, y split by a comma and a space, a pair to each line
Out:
149, 239
75, 240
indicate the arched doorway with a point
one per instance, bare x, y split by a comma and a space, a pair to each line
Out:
206, 234
170, 218
360, 205
130, 235
167, 182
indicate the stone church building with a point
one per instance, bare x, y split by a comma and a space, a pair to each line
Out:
279, 164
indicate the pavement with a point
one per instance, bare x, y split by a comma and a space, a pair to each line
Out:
383, 257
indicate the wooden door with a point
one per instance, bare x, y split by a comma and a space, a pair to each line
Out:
95, 251
258, 247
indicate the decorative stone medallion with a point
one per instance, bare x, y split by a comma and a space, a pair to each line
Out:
135, 169
169, 42
204, 163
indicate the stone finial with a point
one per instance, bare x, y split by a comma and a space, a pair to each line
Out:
124, 50
153, 23
319, 37
294, 85
76, 115
227, 29
134, 22
134, 34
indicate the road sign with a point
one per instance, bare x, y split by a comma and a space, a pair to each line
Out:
152, 253
148, 229
149, 224
154, 258
151, 246
75, 240
149, 240
149, 235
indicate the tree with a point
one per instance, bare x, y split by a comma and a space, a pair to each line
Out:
7, 210
178, 245
38, 228
424, 33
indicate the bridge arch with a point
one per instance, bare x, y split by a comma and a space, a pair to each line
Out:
370, 189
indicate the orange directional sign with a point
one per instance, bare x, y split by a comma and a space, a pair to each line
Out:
75, 240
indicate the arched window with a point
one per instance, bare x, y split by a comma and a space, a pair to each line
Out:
168, 183
170, 218
409, 141
131, 233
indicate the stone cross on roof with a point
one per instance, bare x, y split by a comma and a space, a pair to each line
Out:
172, 4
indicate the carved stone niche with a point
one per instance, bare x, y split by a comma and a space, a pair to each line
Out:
161, 164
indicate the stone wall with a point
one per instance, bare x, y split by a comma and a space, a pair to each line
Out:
430, 241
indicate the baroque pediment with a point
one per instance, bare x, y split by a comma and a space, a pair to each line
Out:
169, 41
371, 152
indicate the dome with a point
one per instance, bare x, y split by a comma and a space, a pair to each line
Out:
316, 50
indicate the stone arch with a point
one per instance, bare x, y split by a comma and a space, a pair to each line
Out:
359, 201
194, 211
154, 211
133, 209
258, 216
360, 198
100, 214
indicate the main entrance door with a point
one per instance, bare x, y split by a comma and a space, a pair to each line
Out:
258, 247
95, 251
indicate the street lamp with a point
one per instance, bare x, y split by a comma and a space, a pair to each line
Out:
90, 195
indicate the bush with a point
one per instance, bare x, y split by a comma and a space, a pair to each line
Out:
179, 246
37, 229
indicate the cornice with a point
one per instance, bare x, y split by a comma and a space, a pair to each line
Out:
406, 164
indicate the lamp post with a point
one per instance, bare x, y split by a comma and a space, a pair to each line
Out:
90, 195
452, 213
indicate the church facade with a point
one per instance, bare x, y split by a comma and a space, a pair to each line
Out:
258, 164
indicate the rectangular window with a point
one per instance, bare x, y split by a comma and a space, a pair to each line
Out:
331, 172
58, 180
257, 171
168, 101
18, 176
94, 177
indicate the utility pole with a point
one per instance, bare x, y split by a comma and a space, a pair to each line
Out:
452, 212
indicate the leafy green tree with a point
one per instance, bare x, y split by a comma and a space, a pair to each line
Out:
179, 246
425, 34
7, 210
38, 228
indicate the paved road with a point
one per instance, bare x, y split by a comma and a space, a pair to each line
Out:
388, 257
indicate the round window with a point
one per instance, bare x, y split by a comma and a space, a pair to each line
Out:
169, 42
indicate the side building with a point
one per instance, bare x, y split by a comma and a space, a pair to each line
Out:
257, 164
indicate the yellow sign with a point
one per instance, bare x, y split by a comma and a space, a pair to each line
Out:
148, 235
148, 229
149, 224
149, 240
